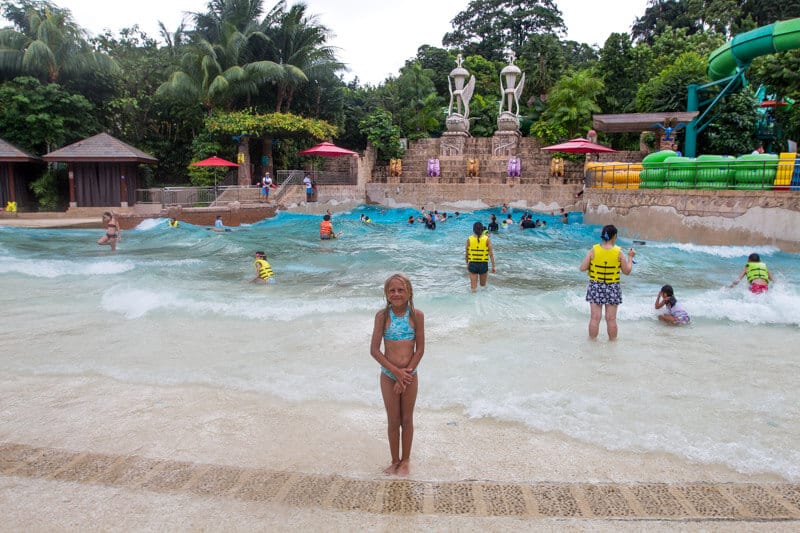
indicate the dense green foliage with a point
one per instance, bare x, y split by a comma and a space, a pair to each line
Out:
244, 72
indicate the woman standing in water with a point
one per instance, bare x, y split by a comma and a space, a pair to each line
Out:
604, 262
401, 327
113, 233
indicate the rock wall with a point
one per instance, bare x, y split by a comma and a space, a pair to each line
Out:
701, 217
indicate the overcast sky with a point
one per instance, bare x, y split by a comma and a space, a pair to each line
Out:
374, 37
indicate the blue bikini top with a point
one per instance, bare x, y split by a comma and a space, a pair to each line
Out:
400, 327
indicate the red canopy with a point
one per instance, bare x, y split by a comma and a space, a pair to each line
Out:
213, 162
327, 149
578, 146
773, 103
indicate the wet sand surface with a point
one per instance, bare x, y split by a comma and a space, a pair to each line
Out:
82, 452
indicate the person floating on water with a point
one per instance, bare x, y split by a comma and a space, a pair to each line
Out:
604, 262
758, 276
326, 229
478, 253
564, 216
676, 313
218, 225
365, 218
173, 222
410, 219
264, 272
401, 327
113, 233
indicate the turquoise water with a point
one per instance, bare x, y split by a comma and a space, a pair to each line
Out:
174, 306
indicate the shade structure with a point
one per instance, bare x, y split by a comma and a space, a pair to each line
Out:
773, 103
579, 146
327, 149
214, 161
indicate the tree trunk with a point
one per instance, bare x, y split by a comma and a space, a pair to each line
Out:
244, 176
267, 152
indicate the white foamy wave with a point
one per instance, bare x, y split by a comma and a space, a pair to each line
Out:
725, 252
136, 303
151, 223
57, 268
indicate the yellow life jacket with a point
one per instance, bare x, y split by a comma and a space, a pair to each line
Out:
478, 249
757, 271
264, 270
173, 223
605, 265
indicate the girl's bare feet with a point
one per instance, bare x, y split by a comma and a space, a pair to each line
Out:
402, 468
391, 469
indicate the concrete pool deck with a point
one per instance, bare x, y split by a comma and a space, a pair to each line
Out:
92, 453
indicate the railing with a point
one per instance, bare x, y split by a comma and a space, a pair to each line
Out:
197, 196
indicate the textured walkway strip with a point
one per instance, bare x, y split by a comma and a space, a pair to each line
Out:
616, 501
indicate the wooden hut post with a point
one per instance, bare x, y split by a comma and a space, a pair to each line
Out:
71, 177
123, 190
12, 193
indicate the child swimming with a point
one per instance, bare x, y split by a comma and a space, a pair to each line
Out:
401, 327
758, 276
676, 313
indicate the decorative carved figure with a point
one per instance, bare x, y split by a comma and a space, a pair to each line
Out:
557, 167
473, 168
460, 95
395, 167
433, 168
514, 167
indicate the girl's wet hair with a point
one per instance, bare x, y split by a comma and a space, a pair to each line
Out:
754, 258
477, 229
667, 290
407, 283
609, 232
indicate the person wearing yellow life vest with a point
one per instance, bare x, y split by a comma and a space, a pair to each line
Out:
757, 274
264, 272
173, 223
478, 253
604, 262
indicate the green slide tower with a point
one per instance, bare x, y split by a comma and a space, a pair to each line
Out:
726, 67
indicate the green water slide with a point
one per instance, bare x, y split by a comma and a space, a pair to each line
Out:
726, 66
740, 51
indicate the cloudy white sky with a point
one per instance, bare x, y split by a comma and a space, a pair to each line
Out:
374, 37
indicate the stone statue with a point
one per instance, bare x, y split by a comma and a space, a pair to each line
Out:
460, 95
508, 117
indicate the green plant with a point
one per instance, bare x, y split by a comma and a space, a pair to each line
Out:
46, 190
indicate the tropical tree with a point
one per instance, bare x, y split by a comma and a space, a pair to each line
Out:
623, 68
492, 27
44, 42
669, 89
378, 128
573, 100
298, 43
219, 73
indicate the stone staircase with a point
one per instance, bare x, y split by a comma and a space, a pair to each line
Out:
535, 164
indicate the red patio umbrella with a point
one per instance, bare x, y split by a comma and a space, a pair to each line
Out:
214, 161
579, 146
327, 149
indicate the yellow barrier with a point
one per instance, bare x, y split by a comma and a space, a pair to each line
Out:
783, 177
614, 175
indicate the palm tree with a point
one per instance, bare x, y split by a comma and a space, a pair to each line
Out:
298, 43
573, 99
44, 42
216, 73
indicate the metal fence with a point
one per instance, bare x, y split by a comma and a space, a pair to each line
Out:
224, 194
197, 196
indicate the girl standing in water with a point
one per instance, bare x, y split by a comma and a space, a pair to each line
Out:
401, 327
604, 262
113, 233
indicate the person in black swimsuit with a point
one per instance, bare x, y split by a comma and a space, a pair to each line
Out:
113, 233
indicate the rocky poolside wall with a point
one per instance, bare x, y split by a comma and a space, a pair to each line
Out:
700, 217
